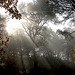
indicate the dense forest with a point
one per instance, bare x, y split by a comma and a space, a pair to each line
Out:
37, 48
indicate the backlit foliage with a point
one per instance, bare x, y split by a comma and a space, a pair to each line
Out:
10, 5
3, 36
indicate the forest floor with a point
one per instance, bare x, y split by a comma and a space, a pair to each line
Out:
11, 70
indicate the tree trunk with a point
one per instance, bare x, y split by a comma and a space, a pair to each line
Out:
23, 66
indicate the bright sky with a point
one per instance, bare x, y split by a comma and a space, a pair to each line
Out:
12, 25
61, 26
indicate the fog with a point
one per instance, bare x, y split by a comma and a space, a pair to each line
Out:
37, 37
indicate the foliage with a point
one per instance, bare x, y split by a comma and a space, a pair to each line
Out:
3, 36
11, 6
52, 7
66, 34
47, 7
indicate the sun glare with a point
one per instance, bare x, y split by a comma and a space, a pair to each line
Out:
13, 25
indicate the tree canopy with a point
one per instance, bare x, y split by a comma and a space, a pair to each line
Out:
52, 7
49, 7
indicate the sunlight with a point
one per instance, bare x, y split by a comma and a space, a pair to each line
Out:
3, 11
59, 17
54, 27
13, 25
26, 1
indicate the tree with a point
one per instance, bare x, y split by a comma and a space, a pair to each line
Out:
34, 25
66, 34
3, 37
52, 7
11, 6
37, 14
47, 7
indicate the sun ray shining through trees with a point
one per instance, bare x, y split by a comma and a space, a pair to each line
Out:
37, 37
